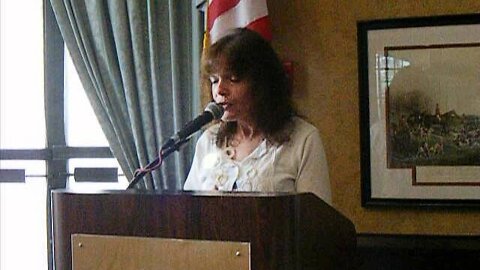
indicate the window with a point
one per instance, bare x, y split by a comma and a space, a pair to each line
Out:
23, 227
44, 113
34, 137
79, 117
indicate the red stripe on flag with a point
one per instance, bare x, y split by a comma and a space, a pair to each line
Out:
217, 8
262, 26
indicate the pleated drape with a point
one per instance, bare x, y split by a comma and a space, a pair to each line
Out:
134, 60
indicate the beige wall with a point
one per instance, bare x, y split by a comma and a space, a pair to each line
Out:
319, 36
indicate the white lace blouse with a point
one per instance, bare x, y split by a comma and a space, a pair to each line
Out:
298, 165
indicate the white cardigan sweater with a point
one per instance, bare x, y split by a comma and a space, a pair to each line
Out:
299, 165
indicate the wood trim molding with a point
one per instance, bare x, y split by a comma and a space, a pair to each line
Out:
419, 242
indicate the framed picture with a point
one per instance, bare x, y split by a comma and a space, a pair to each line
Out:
419, 90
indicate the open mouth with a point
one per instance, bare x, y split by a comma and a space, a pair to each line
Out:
225, 105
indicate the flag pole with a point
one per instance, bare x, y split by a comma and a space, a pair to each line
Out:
206, 33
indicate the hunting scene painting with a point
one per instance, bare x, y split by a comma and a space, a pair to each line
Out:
433, 105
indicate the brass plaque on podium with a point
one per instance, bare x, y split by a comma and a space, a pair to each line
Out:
101, 252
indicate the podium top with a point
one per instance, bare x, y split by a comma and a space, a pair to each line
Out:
178, 193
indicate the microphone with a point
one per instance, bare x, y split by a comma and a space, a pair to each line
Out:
212, 112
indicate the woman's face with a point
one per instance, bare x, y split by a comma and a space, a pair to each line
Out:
233, 94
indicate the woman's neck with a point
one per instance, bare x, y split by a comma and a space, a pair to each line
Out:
246, 131
245, 139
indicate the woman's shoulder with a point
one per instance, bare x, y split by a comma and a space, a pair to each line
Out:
210, 133
212, 129
302, 127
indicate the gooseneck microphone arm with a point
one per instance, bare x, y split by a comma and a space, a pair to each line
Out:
212, 111
166, 150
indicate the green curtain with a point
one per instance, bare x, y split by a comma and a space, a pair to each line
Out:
135, 62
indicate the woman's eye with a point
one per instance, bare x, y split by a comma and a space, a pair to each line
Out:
234, 78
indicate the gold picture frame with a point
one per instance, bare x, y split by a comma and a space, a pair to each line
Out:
419, 91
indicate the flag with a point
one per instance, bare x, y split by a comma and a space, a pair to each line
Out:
223, 15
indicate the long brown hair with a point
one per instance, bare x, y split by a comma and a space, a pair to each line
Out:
250, 57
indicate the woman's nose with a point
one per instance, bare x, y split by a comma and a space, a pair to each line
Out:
222, 87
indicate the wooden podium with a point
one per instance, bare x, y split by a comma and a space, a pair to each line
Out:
121, 229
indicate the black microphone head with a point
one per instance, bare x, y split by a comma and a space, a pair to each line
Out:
215, 109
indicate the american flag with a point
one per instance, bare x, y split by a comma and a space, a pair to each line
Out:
223, 15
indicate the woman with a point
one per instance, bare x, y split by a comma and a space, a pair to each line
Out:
260, 144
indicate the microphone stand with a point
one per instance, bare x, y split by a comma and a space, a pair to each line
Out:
165, 151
